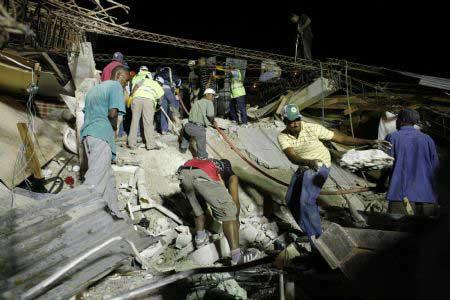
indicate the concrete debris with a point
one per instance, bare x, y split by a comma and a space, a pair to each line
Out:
372, 159
184, 237
206, 255
218, 281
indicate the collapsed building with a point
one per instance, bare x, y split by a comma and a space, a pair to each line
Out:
58, 241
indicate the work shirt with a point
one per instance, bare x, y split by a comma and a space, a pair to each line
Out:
99, 100
308, 145
200, 111
106, 74
415, 165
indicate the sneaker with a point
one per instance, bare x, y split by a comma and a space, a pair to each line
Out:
183, 150
202, 242
246, 256
244, 125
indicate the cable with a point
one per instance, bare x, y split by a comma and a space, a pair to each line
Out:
348, 99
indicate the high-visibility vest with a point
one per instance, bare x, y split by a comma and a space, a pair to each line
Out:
149, 89
206, 166
237, 86
141, 75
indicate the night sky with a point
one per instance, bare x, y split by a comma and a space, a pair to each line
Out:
395, 34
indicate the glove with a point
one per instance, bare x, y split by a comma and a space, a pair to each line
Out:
315, 164
382, 145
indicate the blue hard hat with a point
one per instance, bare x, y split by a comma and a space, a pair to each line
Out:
118, 56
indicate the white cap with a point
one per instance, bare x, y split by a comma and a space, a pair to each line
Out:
143, 68
211, 91
191, 63
160, 79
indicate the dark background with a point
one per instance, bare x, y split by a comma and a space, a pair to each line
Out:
396, 34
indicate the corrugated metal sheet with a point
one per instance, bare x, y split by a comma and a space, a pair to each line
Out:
36, 242
430, 81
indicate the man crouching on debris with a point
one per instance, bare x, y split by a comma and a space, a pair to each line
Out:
104, 102
209, 179
301, 142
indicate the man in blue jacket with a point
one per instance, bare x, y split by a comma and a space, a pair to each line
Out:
413, 174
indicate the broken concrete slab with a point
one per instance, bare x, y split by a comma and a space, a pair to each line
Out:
48, 135
343, 247
262, 145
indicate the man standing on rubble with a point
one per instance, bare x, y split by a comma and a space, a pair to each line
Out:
301, 142
215, 182
200, 117
104, 103
237, 102
304, 32
144, 98
416, 163
116, 61
169, 105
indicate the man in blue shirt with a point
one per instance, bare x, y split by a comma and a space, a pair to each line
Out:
416, 163
103, 104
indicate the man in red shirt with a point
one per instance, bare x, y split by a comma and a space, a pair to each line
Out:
215, 182
116, 61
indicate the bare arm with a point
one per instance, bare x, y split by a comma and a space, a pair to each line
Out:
295, 159
112, 116
349, 141
233, 188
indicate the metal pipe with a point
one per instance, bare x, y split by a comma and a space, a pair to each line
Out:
154, 285
281, 280
39, 288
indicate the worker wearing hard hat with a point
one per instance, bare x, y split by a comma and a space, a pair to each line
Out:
117, 60
302, 143
141, 75
145, 96
201, 116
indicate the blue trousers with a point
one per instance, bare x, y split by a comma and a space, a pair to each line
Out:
168, 102
238, 104
301, 198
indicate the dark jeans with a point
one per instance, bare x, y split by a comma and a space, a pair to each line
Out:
238, 104
199, 133
419, 208
301, 198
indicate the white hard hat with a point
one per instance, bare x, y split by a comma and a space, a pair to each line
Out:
143, 68
211, 91
191, 63
160, 79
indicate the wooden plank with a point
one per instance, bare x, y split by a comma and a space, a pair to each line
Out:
30, 153
350, 110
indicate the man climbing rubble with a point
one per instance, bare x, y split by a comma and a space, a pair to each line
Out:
215, 182
301, 142
200, 117
416, 163
104, 103
144, 96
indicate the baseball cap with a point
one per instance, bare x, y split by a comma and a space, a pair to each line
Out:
160, 79
118, 56
143, 68
291, 112
211, 91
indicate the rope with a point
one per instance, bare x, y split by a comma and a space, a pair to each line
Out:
239, 153
348, 99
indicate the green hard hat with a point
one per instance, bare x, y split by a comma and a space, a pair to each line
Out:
291, 112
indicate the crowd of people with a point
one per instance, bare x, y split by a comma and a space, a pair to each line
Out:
204, 179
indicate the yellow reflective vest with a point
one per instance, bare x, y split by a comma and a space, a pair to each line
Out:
140, 76
237, 85
149, 89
